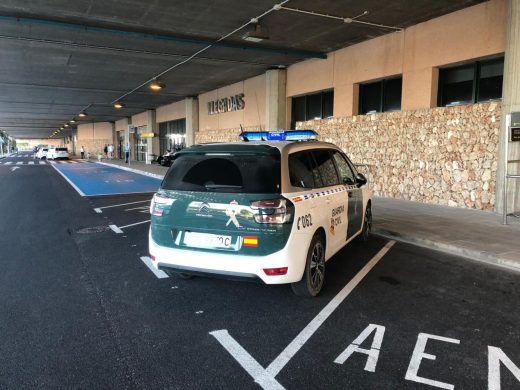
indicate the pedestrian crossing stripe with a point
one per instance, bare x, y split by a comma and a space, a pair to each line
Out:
41, 162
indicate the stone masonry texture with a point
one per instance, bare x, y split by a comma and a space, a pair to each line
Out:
444, 155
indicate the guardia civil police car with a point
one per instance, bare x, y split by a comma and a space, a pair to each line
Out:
272, 207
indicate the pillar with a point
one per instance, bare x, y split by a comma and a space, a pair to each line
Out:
275, 100
510, 103
192, 119
152, 127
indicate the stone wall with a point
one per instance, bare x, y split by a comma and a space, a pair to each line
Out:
445, 155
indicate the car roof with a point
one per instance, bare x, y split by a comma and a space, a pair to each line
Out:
256, 147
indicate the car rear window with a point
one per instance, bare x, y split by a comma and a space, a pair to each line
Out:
220, 172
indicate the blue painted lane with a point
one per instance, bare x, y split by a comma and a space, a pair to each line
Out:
93, 179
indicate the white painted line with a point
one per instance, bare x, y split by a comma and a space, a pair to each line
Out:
31, 162
137, 208
266, 378
276, 366
19, 163
247, 362
8, 162
42, 162
72, 162
133, 224
52, 162
66, 178
154, 175
117, 205
157, 272
115, 229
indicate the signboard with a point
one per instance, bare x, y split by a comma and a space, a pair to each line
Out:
131, 129
231, 103
147, 135
515, 134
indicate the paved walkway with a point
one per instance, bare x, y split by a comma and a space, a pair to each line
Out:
473, 234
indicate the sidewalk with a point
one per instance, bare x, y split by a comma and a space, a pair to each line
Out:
473, 234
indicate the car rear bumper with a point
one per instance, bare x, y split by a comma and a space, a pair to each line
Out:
292, 256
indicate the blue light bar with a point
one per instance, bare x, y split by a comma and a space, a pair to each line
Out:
279, 135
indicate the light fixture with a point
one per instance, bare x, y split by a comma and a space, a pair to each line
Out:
66, 125
61, 128
258, 34
157, 85
73, 120
119, 105
82, 114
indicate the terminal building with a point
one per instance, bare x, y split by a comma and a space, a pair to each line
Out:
423, 109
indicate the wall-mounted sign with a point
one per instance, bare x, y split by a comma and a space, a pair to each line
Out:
515, 134
131, 129
231, 103
147, 135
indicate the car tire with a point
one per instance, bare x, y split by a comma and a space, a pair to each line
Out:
367, 224
314, 273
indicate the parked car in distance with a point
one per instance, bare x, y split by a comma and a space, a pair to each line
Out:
55, 153
42, 153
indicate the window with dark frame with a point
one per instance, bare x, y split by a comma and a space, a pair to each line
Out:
475, 82
313, 106
380, 96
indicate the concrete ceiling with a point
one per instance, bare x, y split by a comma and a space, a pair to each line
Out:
63, 56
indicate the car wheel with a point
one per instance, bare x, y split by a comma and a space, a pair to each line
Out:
367, 223
314, 273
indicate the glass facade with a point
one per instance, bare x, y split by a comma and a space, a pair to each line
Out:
475, 82
172, 135
313, 106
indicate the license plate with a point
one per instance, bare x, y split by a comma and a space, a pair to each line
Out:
204, 240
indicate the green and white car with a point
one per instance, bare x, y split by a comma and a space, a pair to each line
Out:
272, 207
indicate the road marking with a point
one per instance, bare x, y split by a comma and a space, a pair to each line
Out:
98, 209
42, 162
31, 162
157, 272
266, 378
8, 162
68, 180
19, 163
52, 162
144, 209
133, 224
14, 169
115, 229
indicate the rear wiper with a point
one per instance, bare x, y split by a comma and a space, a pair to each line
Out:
215, 186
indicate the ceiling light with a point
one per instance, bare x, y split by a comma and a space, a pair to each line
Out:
82, 114
156, 85
257, 35
73, 120
119, 105
66, 125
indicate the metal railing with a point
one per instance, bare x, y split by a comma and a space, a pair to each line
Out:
508, 176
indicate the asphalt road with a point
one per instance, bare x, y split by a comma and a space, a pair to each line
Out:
79, 309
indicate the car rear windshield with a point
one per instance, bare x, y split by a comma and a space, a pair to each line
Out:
220, 172
61, 149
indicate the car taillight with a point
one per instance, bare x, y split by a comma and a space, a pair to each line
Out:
275, 271
273, 211
157, 204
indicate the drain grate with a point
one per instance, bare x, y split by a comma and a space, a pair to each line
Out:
93, 229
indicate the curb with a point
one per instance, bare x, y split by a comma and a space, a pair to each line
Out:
154, 175
480, 256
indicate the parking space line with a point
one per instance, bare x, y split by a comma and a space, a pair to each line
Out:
98, 209
266, 378
115, 229
43, 163
157, 272
68, 180
133, 224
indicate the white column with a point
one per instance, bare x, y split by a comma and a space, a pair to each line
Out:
192, 119
510, 103
275, 100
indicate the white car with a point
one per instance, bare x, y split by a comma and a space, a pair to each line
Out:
42, 153
55, 153
274, 210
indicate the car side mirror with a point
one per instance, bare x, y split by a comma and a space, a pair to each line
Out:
348, 181
361, 179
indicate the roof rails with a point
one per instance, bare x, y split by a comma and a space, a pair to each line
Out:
279, 135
